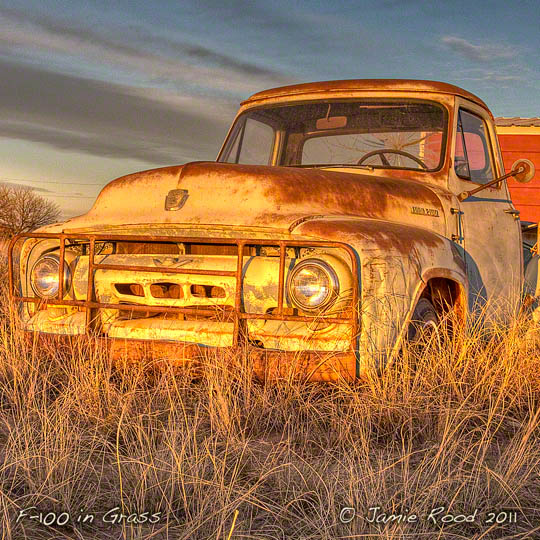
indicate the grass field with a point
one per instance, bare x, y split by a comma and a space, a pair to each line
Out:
222, 456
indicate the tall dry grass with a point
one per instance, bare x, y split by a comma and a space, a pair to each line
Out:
222, 456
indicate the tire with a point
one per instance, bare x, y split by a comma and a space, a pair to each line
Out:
424, 322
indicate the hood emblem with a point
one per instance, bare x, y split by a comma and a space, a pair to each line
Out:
175, 199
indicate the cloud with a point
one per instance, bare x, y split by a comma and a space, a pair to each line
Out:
200, 53
487, 75
478, 53
23, 186
399, 3
106, 119
74, 196
262, 17
137, 51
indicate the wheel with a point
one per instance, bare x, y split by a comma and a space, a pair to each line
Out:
424, 322
385, 162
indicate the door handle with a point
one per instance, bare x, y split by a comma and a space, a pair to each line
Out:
512, 212
459, 236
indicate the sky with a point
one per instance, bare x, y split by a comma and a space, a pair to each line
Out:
90, 91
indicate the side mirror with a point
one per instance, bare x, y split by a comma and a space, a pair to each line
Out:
523, 170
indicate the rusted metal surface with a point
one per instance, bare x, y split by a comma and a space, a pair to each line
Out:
329, 89
132, 268
278, 196
313, 188
90, 305
90, 289
281, 284
61, 269
388, 237
492, 240
267, 365
238, 294
398, 261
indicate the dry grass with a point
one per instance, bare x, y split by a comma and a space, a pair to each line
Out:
460, 431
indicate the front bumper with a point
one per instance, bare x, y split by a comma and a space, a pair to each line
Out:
323, 361
267, 365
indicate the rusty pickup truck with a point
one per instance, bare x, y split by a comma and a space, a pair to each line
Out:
339, 219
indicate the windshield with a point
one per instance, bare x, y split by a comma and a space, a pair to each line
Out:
395, 134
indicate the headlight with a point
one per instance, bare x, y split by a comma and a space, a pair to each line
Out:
44, 276
312, 285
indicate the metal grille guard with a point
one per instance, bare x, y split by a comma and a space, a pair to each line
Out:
90, 305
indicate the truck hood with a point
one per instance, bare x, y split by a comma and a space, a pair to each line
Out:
258, 196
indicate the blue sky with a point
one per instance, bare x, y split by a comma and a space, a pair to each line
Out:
94, 90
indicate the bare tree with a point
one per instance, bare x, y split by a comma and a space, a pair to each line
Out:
22, 209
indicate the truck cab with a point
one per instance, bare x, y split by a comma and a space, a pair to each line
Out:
433, 133
336, 215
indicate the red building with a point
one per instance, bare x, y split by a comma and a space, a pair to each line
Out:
520, 138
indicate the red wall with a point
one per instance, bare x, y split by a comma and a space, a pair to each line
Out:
526, 197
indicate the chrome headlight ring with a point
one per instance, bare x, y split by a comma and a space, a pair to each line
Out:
44, 276
312, 285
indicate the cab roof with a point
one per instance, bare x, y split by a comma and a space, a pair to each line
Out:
363, 85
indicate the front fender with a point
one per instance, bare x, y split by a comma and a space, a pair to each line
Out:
396, 263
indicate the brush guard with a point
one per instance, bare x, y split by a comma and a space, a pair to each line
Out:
91, 306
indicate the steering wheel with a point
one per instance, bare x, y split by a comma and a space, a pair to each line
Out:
385, 162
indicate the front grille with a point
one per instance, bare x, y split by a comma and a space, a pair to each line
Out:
129, 289
146, 248
166, 248
218, 313
134, 294
166, 290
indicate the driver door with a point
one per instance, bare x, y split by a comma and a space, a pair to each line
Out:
491, 232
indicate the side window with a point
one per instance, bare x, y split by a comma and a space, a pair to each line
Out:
253, 144
472, 156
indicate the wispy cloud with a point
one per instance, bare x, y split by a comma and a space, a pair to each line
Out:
171, 100
506, 75
106, 119
151, 56
24, 186
485, 52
